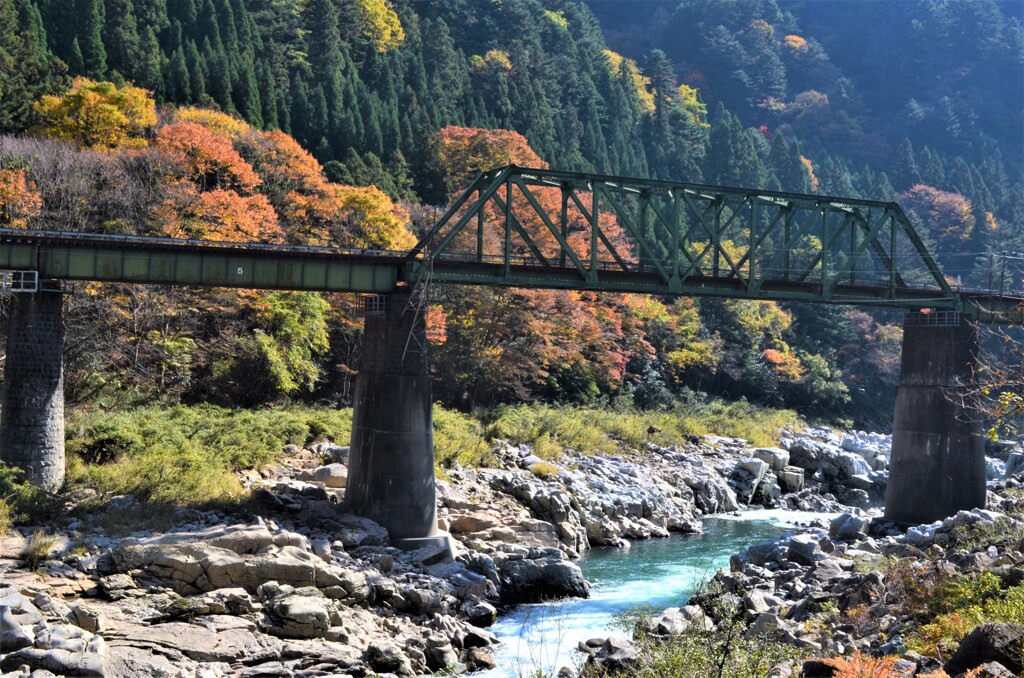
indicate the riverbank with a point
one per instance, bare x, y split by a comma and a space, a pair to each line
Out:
848, 597
283, 583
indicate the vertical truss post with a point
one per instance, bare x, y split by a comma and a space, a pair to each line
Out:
564, 222
787, 227
826, 239
892, 256
594, 226
645, 228
853, 250
480, 228
508, 227
716, 236
677, 226
752, 244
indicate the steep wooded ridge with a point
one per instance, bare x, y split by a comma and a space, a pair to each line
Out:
917, 101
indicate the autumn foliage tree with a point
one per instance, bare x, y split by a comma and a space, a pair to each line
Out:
947, 216
98, 115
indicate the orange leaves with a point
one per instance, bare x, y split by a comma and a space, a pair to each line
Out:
20, 202
809, 168
785, 364
98, 115
284, 164
795, 42
947, 216
858, 665
437, 325
208, 159
225, 215
464, 151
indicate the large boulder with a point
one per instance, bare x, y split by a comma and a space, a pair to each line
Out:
331, 475
547, 576
791, 479
302, 613
809, 454
776, 458
187, 568
990, 642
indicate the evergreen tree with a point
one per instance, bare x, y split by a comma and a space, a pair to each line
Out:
903, 171
94, 54
25, 72
121, 36
179, 85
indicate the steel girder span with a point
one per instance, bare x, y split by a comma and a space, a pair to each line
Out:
170, 261
538, 228
542, 228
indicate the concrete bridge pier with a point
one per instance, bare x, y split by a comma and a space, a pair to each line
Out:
938, 449
32, 420
391, 462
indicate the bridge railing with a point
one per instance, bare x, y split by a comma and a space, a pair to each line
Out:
602, 230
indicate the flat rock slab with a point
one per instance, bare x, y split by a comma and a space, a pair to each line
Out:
198, 643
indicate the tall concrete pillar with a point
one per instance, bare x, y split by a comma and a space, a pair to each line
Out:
938, 450
391, 462
32, 419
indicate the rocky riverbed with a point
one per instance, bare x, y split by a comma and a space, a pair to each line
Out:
288, 585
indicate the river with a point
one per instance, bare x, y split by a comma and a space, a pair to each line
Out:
658, 573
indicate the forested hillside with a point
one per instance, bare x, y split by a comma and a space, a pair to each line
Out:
916, 101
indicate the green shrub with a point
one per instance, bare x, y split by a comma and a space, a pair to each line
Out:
549, 430
186, 455
459, 438
5, 517
724, 651
543, 469
23, 501
37, 548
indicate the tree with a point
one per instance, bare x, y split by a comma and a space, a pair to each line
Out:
279, 357
380, 24
20, 202
26, 66
94, 53
98, 115
946, 216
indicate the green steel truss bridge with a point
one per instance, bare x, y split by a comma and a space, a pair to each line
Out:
535, 228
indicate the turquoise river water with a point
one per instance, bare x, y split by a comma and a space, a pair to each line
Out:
660, 573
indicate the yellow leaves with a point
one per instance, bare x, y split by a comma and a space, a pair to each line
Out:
795, 42
98, 115
761, 321
380, 24
219, 123
622, 67
20, 202
557, 18
763, 27
495, 61
694, 355
809, 168
377, 222
695, 109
